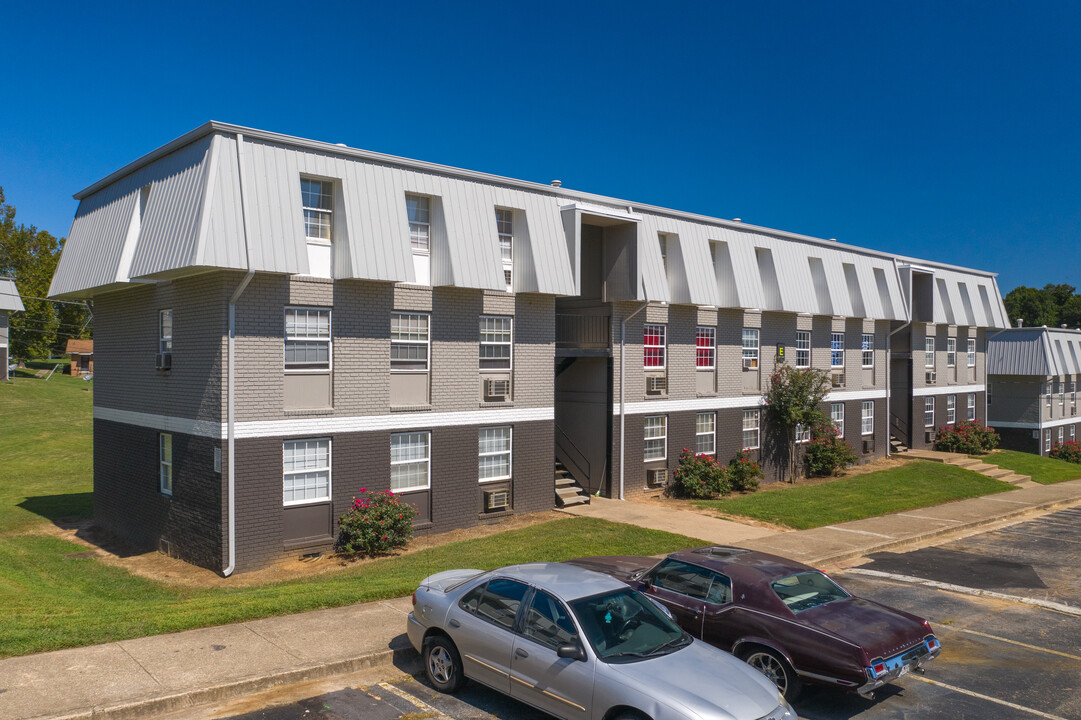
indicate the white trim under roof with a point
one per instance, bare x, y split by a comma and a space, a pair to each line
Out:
740, 402
1035, 426
947, 390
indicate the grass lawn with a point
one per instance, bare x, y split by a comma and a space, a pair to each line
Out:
1043, 470
912, 485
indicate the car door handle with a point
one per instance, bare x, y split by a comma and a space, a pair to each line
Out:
454, 623
521, 653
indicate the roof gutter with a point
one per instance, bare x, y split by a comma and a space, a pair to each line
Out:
231, 381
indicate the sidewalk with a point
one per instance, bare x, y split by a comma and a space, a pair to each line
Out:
152, 676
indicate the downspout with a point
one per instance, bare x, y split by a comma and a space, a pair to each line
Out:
622, 376
231, 372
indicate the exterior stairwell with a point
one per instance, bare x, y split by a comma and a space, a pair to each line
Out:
896, 446
568, 491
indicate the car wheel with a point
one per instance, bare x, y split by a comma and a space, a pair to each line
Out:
443, 664
777, 669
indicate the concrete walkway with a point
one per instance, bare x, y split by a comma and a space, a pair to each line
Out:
149, 677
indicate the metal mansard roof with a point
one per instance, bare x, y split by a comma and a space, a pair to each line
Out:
1040, 351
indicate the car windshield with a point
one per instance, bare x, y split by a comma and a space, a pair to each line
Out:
624, 626
807, 590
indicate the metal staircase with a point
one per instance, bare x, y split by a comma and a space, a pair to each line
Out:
568, 491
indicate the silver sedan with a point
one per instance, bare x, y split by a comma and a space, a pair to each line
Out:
580, 645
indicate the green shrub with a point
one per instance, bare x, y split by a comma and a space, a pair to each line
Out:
967, 437
827, 454
744, 473
377, 523
1068, 451
699, 476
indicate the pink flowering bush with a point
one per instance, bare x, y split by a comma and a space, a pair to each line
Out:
967, 437
1069, 451
744, 473
699, 476
827, 454
376, 523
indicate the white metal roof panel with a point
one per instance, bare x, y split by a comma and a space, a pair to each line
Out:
10, 301
1034, 351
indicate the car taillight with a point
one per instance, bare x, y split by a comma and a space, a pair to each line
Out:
932, 644
414, 598
879, 668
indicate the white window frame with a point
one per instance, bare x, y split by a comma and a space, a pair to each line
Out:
311, 211
951, 352
1047, 440
970, 348
328, 340
803, 434
306, 470
1073, 433
509, 343
1073, 393
419, 229
1050, 394
867, 350
662, 245
970, 405
752, 422
504, 227
1061, 434
929, 411
165, 464
750, 351
710, 332
663, 330
711, 433
165, 341
951, 409
837, 415
803, 349
662, 437
426, 342
837, 349
509, 452
929, 352
426, 461
867, 419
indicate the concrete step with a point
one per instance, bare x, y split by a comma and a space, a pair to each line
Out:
1015, 479
998, 473
966, 462
570, 502
980, 467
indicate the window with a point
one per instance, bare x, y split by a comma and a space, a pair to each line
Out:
837, 349
1073, 394
165, 463
662, 242
837, 415
408, 342
951, 409
692, 581
971, 352
803, 434
929, 412
929, 352
867, 418
989, 394
504, 225
1073, 433
493, 447
1047, 441
1048, 391
656, 437
705, 347
420, 225
495, 343
500, 601
653, 347
971, 406
750, 348
803, 349
705, 433
1061, 385
306, 471
750, 429
867, 350
548, 623
951, 352
318, 200
165, 331
307, 339
410, 461
1061, 432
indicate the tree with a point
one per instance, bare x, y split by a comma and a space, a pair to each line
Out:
29, 257
793, 398
1030, 304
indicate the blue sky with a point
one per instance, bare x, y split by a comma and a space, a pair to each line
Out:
948, 131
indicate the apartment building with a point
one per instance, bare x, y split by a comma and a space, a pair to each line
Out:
1032, 376
10, 302
280, 322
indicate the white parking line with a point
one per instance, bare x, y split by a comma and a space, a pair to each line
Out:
1046, 604
928, 517
1012, 502
861, 532
417, 702
988, 698
1013, 642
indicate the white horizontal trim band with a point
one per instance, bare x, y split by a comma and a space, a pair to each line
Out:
748, 402
947, 390
326, 425
1036, 425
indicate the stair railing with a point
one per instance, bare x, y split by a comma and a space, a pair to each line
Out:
573, 459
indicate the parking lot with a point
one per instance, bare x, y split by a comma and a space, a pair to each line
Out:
1012, 652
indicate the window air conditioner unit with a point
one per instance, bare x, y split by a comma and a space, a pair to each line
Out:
163, 361
497, 388
658, 477
931, 378
657, 383
496, 499
750, 363
838, 380
868, 445
930, 436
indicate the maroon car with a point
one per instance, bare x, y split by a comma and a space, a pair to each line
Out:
789, 620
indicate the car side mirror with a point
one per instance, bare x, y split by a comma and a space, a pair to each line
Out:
647, 582
571, 651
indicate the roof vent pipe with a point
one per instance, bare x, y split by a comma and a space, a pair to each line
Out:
1063, 326
736, 220
557, 183
1020, 322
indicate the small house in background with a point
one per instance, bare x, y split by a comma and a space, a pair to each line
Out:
10, 302
82, 356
